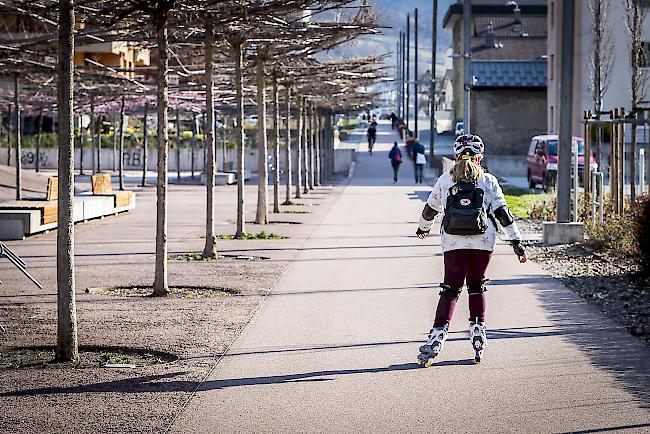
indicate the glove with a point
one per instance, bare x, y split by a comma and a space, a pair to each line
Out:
422, 234
518, 248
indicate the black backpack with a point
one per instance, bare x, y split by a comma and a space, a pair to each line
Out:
464, 212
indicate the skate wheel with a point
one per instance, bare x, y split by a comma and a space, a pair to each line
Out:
425, 362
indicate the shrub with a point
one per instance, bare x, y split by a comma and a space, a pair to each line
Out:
641, 230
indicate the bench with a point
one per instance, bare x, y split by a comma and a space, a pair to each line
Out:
26, 217
101, 186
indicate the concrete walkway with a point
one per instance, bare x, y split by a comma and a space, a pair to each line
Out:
333, 349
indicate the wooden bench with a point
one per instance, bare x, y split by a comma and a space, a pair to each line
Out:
101, 186
48, 208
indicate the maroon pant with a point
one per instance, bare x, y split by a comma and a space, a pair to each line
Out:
463, 266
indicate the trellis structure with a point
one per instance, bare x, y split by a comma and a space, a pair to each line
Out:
212, 46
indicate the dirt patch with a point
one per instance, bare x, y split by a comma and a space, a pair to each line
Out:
89, 357
173, 292
199, 257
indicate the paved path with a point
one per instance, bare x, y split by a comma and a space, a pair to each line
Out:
333, 348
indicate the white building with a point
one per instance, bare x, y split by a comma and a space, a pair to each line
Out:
618, 92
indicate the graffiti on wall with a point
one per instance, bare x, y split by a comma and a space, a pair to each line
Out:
132, 158
29, 158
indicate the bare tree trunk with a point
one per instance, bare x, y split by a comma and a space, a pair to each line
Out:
11, 114
306, 140
19, 169
210, 249
239, 85
287, 149
178, 146
312, 146
114, 147
39, 138
317, 174
262, 214
121, 160
81, 144
299, 137
145, 144
223, 141
276, 147
193, 145
160, 284
93, 137
99, 146
67, 347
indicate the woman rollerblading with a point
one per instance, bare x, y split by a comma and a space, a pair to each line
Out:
471, 202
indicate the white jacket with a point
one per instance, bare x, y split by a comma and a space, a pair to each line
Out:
492, 200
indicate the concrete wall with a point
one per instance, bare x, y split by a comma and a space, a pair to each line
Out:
343, 159
507, 119
133, 159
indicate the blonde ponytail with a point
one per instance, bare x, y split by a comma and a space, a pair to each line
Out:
467, 169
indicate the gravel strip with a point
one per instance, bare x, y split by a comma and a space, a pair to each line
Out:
602, 278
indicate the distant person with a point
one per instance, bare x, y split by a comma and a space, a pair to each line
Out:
395, 156
419, 160
372, 136
393, 120
471, 202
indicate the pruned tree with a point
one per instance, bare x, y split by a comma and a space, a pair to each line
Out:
160, 16
602, 59
635, 14
262, 213
210, 249
67, 346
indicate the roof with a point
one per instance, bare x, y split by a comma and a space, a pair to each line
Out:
533, 25
494, 7
510, 74
509, 49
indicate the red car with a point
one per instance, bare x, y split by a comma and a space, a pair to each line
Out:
542, 160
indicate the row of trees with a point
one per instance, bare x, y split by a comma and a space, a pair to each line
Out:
275, 39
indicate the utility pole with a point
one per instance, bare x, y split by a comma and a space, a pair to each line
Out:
403, 73
408, 68
415, 82
467, 58
566, 109
432, 91
398, 76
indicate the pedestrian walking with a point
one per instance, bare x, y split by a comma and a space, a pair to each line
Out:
393, 120
395, 156
419, 160
471, 202
372, 135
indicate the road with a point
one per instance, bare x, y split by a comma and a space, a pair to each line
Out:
333, 348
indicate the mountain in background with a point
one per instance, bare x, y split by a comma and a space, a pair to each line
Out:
392, 14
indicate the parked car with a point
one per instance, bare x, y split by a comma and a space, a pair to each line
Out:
542, 160
459, 129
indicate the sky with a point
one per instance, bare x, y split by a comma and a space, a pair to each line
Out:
392, 14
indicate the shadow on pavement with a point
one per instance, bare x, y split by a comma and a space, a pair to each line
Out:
609, 347
165, 382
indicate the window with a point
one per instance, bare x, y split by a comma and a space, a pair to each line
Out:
551, 124
551, 75
552, 18
533, 146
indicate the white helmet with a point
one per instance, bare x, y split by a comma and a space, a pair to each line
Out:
468, 144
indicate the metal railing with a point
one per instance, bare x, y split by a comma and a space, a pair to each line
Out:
19, 263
